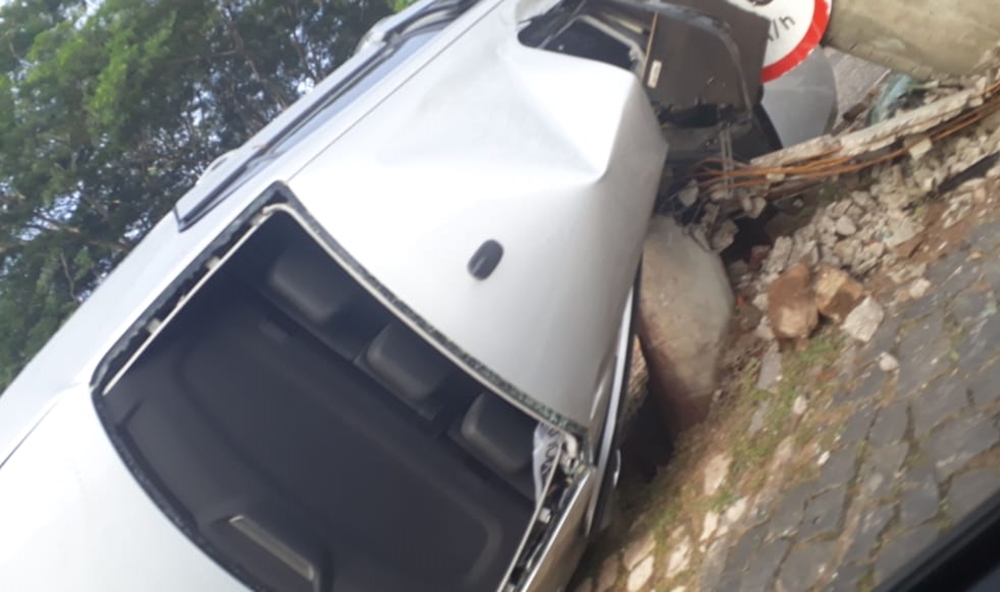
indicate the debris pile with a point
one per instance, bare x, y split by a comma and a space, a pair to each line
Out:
862, 209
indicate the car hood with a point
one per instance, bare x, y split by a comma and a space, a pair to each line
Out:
74, 518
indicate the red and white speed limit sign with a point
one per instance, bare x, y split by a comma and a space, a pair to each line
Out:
797, 26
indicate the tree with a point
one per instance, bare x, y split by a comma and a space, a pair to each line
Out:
109, 112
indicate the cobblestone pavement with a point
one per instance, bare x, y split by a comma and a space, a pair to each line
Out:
874, 456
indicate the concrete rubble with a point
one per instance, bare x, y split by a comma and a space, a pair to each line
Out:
792, 304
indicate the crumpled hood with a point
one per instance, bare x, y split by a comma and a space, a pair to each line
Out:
74, 518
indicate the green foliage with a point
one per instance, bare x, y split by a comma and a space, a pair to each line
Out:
108, 113
398, 5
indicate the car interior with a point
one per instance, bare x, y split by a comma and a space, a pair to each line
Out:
308, 439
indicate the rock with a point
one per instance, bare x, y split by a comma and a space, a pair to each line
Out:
809, 254
969, 490
689, 194
782, 454
901, 230
736, 511
826, 226
638, 550
876, 249
758, 255
757, 420
799, 406
763, 330
919, 287
905, 273
724, 236
781, 253
847, 252
864, 320
863, 199
738, 271
760, 301
685, 310
845, 226
716, 472
920, 147
708, 526
679, 558
792, 304
887, 362
770, 368
713, 564
837, 293
608, 577
838, 208
895, 553
638, 577
920, 501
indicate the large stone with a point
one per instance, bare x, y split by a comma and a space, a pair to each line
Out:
713, 565
763, 567
787, 515
638, 550
685, 309
716, 471
881, 472
958, 442
899, 551
985, 387
864, 320
792, 304
638, 577
846, 226
608, 576
890, 424
870, 527
679, 558
837, 293
942, 399
823, 514
780, 256
969, 490
806, 565
770, 368
920, 500
840, 468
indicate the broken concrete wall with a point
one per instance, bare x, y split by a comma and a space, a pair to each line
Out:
924, 38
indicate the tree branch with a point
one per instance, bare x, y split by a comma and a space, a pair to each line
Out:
69, 276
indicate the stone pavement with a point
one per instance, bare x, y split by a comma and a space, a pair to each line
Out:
920, 447
860, 459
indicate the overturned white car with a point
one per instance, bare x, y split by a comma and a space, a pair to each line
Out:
381, 346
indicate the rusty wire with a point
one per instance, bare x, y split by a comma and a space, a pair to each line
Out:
811, 169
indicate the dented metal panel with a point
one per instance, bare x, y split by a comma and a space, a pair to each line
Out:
490, 146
